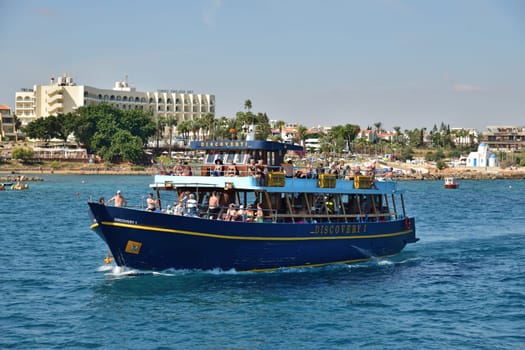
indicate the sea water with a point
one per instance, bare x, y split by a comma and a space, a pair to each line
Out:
462, 286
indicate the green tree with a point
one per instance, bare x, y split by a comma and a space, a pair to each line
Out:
38, 129
100, 128
23, 154
301, 133
248, 105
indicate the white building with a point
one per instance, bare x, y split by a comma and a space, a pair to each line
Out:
482, 158
312, 144
64, 96
7, 123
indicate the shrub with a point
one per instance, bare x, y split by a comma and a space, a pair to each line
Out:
440, 164
23, 154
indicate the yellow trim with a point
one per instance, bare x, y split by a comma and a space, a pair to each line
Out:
211, 235
320, 265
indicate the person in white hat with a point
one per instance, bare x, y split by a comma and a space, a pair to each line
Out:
119, 200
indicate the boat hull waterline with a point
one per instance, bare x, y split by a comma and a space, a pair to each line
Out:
155, 241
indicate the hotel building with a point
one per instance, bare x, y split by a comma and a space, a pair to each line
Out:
64, 96
7, 124
505, 138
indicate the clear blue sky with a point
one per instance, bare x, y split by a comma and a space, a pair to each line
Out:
402, 63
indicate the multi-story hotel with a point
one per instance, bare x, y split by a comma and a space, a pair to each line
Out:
64, 96
505, 138
7, 124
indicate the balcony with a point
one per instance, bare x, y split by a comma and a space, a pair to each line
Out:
56, 98
54, 92
58, 108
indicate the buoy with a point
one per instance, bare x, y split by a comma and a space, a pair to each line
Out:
108, 258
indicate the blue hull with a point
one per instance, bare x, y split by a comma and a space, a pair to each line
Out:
155, 241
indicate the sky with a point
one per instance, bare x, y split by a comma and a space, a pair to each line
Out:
410, 64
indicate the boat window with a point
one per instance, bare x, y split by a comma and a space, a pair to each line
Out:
239, 158
230, 157
210, 158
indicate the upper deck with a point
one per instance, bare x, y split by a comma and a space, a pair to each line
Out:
239, 153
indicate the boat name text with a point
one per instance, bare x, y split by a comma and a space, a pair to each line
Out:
342, 229
125, 221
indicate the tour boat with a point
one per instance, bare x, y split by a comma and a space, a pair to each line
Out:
451, 182
263, 221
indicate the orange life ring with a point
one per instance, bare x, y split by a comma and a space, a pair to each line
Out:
407, 223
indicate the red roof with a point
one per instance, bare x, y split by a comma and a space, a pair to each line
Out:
5, 107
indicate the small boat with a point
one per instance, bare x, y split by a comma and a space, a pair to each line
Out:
258, 219
451, 182
19, 186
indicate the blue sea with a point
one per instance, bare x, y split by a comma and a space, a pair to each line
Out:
462, 286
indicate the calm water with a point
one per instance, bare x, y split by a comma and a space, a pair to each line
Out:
462, 286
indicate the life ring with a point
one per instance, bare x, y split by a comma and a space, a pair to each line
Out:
407, 223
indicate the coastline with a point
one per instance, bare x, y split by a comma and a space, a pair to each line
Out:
8, 173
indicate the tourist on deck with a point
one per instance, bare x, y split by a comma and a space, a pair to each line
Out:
241, 213
168, 210
191, 206
178, 169
213, 205
218, 170
260, 174
231, 214
118, 199
250, 213
251, 167
288, 168
100, 200
334, 170
151, 203
186, 170
341, 168
259, 214
348, 173
319, 170
232, 170
178, 209
307, 172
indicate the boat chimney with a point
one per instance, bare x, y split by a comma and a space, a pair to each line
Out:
250, 135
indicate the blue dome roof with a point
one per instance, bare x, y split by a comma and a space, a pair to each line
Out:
492, 155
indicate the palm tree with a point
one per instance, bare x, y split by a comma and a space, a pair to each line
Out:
232, 128
195, 126
208, 122
171, 121
183, 128
161, 122
397, 129
248, 105
301, 133
279, 125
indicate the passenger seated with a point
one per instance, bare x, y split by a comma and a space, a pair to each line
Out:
259, 214
232, 170
218, 169
250, 215
288, 168
178, 209
186, 170
231, 214
241, 213
191, 206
